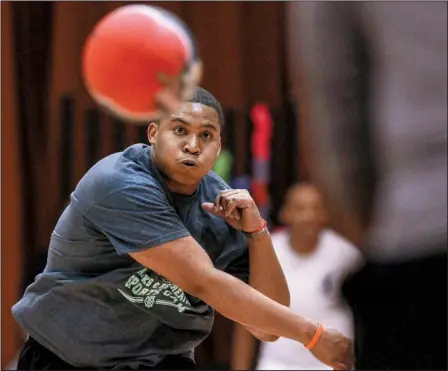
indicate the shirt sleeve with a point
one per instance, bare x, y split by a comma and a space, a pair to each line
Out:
136, 218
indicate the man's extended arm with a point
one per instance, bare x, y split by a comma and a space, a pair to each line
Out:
188, 266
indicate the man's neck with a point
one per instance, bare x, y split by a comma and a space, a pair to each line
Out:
303, 244
177, 188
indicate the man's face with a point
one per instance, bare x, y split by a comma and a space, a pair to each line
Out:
304, 210
186, 145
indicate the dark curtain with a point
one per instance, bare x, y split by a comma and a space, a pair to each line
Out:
32, 26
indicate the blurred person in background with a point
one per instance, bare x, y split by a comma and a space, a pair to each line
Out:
375, 74
315, 261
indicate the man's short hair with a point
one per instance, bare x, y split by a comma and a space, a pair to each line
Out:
204, 97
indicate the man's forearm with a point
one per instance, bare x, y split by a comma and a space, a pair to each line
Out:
187, 265
245, 305
266, 274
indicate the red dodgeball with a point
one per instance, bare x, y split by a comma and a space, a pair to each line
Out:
132, 54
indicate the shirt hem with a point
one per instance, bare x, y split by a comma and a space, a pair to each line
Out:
41, 340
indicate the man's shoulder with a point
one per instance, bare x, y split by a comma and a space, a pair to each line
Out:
335, 240
340, 247
126, 170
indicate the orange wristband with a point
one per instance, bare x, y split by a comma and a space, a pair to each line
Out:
316, 337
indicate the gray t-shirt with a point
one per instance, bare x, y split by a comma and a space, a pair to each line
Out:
93, 305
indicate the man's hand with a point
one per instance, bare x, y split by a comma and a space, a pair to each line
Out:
238, 209
335, 350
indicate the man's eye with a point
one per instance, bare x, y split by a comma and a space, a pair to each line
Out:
207, 135
179, 130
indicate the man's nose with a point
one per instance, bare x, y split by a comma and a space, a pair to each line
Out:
307, 215
192, 145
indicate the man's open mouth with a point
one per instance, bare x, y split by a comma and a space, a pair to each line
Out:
190, 163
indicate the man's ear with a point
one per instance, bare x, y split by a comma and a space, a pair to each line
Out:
151, 132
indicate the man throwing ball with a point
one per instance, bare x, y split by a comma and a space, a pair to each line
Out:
150, 245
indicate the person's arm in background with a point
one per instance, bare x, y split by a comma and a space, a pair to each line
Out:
243, 349
329, 60
266, 274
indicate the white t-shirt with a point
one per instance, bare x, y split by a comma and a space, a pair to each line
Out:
314, 281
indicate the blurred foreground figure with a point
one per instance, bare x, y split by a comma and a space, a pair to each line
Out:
315, 261
376, 76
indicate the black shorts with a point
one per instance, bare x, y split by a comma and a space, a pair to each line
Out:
400, 313
36, 357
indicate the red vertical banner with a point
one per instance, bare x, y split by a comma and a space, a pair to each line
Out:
261, 156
